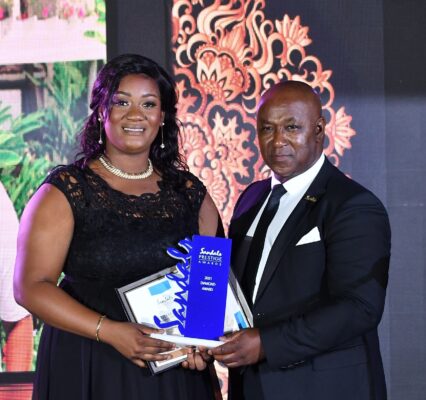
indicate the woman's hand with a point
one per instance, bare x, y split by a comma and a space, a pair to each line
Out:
133, 341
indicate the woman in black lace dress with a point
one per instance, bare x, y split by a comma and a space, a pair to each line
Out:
105, 221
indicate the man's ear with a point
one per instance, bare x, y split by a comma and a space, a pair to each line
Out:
320, 128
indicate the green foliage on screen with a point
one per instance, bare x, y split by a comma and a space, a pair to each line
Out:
31, 144
22, 181
12, 135
66, 108
100, 10
20, 172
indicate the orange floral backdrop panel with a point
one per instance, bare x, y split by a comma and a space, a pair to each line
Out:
226, 54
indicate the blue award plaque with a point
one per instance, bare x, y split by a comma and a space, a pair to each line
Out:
207, 290
195, 301
196, 292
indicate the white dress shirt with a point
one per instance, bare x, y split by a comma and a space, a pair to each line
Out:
296, 187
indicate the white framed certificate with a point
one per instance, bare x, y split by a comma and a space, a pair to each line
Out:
152, 299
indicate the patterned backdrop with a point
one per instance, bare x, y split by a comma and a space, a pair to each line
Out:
226, 54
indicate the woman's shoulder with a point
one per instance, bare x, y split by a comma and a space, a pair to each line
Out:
70, 180
194, 189
64, 176
191, 181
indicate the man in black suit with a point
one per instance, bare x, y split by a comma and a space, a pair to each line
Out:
312, 256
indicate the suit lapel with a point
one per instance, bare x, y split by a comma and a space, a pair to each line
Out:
290, 229
249, 205
294, 224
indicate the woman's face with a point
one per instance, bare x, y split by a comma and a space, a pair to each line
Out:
135, 116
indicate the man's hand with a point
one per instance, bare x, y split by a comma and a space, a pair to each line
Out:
241, 348
197, 359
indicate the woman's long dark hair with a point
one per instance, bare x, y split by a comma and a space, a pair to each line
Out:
167, 161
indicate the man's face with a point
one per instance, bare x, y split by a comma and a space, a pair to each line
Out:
290, 131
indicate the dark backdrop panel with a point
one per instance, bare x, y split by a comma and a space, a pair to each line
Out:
405, 88
139, 26
376, 52
347, 36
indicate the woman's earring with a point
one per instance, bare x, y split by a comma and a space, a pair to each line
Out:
162, 145
100, 141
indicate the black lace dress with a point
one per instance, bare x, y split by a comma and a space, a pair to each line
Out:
117, 239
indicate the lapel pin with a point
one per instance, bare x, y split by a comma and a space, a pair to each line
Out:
312, 199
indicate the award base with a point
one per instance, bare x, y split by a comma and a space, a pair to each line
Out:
187, 341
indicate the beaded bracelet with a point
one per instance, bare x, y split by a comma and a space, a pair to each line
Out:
98, 326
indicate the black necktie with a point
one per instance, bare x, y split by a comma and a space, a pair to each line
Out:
258, 240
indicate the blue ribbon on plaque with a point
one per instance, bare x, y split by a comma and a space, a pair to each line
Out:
202, 279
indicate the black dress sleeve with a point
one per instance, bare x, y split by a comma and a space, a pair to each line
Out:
196, 191
66, 179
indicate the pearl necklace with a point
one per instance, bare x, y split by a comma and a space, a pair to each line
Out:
125, 175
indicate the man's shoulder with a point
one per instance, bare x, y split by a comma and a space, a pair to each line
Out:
257, 187
251, 195
341, 188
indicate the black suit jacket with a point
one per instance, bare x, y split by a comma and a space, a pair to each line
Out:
318, 304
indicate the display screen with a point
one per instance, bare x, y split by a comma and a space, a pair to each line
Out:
50, 53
